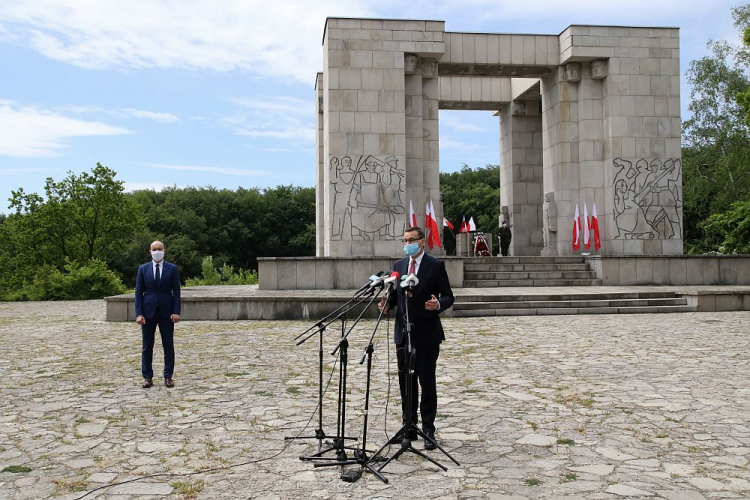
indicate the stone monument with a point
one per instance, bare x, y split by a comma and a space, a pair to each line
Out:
591, 115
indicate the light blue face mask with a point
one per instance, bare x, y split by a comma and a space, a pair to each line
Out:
411, 249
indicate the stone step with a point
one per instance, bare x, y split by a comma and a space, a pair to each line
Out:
530, 282
529, 275
524, 260
473, 313
576, 304
547, 297
500, 268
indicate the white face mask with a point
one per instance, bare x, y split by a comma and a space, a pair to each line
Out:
157, 255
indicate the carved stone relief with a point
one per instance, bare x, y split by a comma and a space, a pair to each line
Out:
648, 199
573, 72
366, 198
599, 69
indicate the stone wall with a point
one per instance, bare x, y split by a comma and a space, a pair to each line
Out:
672, 269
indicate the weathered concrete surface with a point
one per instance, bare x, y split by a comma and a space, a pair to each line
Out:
592, 407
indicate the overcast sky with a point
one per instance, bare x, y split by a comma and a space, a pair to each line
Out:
221, 92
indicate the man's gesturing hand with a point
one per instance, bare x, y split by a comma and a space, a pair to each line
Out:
432, 304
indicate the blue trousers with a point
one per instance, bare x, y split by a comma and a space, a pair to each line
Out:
148, 334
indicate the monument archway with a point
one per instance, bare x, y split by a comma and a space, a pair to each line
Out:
589, 116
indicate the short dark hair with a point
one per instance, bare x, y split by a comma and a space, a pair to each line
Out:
418, 229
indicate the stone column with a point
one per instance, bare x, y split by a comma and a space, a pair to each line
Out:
319, 170
521, 175
560, 156
414, 137
430, 142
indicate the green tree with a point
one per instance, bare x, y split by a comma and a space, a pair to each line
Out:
716, 139
471, 193
81, 217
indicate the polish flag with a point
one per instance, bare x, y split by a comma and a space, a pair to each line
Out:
464, 227
577, 231
431, 227
412, 215
435, 228
595, 228
447, 223
472, 225
586, 228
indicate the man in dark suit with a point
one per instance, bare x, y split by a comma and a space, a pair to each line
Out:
157, 303
426, 301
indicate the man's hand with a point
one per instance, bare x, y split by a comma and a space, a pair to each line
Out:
432, 304
175, 318
382, 306
140, 320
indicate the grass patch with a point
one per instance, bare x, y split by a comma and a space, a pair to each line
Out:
234, 375
82, 420
16, 469
70, 486
569, 477
292, 390
532, 481
187, 489
566, 442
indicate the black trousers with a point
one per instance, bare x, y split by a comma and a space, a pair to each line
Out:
425, 362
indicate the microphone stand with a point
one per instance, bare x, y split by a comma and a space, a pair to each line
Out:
410, 426
361, 455
341, 457
321, 326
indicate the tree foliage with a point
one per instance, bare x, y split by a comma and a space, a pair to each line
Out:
471, 193
716, 139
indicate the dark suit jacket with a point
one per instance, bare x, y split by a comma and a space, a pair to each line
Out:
166, 296
426, 328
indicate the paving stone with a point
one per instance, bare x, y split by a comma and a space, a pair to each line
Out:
642, 400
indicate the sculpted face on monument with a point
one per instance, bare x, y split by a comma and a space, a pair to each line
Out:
599, 69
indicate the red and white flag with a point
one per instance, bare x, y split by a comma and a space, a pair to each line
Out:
577, 231
447, 223
431, 227
412, 215
586, 228
464, 226
595, 228
472, 226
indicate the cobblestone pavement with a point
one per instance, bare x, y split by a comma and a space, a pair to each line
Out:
587, 407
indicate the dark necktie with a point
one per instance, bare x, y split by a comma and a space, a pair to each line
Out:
413, 267
157, 277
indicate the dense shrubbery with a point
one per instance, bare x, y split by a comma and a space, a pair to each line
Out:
223, 276
74, 282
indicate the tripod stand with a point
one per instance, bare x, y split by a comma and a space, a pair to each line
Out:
410, 427
321, 326
360, 456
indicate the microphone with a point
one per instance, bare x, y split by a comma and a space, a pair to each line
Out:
409, 281
372, 279
392, 279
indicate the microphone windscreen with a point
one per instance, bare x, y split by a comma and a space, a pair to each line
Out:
395, 274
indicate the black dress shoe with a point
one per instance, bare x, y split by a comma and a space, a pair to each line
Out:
430, 443
168, 382
398, 438
147, 382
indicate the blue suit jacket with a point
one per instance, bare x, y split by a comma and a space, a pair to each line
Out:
166, 295
433, 280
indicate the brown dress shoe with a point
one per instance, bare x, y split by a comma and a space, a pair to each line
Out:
147, 382
168, 382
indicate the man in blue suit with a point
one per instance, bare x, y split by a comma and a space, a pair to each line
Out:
426, 301
157, 303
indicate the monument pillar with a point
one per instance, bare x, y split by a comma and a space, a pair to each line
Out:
521, 175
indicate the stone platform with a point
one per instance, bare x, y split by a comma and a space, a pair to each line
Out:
249, 302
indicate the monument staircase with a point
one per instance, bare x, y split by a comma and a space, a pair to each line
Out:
493, 274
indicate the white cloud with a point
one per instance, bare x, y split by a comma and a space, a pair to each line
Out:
30, 132
447, 142
276, 39
277, 104
151, 115
294, 134
213, 170
451, 120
